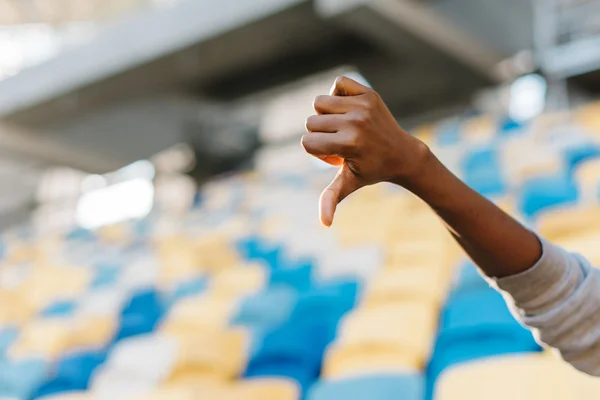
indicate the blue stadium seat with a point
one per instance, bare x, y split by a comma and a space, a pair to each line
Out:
469, 279
540, 193
186, 289
578, 154
322, 307
482, 171
290, 351
7, 337
405, 387
510, 127
72, 373
298, 276
20, 379
106, 275
448, 133
474, 325
141, 314
60, 309
255, 249
266, 310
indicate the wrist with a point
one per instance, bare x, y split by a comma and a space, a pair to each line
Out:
415, 174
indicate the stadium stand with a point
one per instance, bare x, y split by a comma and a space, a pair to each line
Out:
248, 298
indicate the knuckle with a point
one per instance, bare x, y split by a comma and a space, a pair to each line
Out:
361, 118
319, 102
306, 143
309, 123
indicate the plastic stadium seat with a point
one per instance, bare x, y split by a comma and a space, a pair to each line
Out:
401, 284
188, 288
568, 221
240, 281
320, 309
388, 386
7, 337
364, 347
587, 176
69, 396
255, 249
448, 133
416, 253
587, 117
200, 312
46, 338
18, 379
141, 314
175, 393
92, 332
106, 275
356, 262
266, 310
48, 284
139, 275
64, 308
220, 355
482, 171
579, 154
14, 316
540, 193
476, 325
72, 373
215, 253
102, 302
298, 276
470, 279
479, 129
260, 389
118, 385
531, 376
585, 244
293, 351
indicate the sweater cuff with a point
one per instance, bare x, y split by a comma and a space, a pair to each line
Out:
530, 288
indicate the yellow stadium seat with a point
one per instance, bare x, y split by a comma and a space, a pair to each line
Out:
345, 361
215, 253
479, 129
47, 338
422, 253
115, 234
429, 284
585, 244
588, 117
92, 331
239, 281
568, 221
218, 355
48, 284
11, 315
588, 180
204, 311
407, 328
533, 376
260, 389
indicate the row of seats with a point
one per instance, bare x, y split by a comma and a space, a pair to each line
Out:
246, 296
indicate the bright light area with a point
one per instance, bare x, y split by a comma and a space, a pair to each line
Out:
116, 203
527, 97
142, 169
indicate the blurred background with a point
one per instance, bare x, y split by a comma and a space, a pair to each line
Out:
159, 217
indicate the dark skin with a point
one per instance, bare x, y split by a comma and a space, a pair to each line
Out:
354, 129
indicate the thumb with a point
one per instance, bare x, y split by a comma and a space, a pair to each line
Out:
344, 184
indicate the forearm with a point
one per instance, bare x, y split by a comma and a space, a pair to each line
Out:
497, 243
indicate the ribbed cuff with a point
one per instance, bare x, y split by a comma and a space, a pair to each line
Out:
542, 283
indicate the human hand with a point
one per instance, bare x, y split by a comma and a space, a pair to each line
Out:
355, 130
